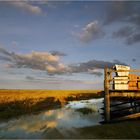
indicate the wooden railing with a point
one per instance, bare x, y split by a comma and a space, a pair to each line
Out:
108, 79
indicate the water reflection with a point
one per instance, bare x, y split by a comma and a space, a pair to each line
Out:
41, 125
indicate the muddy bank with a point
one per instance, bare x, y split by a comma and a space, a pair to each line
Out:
123, 130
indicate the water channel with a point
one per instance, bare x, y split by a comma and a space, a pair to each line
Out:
75, 114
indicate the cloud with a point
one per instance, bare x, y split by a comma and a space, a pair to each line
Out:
123, 32
134, 59
135, 38
97, 72
129, 33
26, 6
9, 66
51, 63
91, 32
35, 60
93, 66
134, 18
5, 58
56, 3
29, 78
120, 11
58, 53
4, 51
128, 13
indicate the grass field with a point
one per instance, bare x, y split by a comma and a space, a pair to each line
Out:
17, 102
20, 95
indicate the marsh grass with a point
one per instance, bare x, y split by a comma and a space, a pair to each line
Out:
28, 106
14, 103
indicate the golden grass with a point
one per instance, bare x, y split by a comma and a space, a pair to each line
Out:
20, 95
18, 102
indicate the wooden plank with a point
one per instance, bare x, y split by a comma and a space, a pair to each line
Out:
126, 108
131, 116
125, 90
125, 94
125, 70
122, 102
119, 104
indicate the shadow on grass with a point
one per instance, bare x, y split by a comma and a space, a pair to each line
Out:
27, 106
83, 96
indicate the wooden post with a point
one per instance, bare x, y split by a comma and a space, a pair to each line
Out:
106, 97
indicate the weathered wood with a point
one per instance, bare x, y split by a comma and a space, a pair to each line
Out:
125, 94
131, 116
125, 70
126, 108
119, 104
107, 98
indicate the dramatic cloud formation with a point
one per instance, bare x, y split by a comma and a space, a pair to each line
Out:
34, 60
51, 63
90, 32
26, 6
130, 34
128, 13
120, 11
92, 66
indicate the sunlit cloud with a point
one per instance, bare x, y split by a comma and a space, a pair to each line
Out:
35, 60
91, 32
26, 6
51, 63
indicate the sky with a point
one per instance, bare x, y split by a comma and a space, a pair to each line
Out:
66, 44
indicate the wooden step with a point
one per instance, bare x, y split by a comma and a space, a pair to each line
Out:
131, 116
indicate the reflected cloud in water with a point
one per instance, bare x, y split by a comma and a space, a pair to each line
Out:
63, 119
